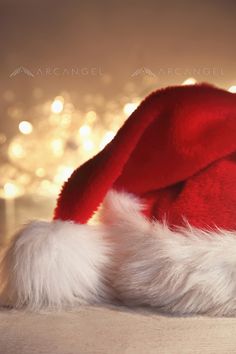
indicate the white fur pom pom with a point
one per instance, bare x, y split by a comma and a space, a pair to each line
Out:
55, 264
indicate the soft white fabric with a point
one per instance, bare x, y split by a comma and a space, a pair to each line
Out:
125, 257
93, 330
185, 270
53, 265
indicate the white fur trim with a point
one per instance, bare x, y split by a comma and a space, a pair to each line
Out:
186, 270
183, 271
52, 265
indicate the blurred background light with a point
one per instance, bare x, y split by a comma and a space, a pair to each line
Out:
25, 127
189, 81
232, 89
130, 108
57, 105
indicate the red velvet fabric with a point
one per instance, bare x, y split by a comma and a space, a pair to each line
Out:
177, 151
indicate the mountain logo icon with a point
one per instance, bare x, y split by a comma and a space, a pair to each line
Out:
143, 71
21, 70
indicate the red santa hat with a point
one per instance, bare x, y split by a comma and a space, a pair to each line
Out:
164, 191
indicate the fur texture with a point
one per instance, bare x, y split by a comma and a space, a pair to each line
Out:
55, 265
183, 271
126, 257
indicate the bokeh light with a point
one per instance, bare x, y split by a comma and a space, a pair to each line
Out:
232, 89
130, 108
189, 81
25, 127
57, 105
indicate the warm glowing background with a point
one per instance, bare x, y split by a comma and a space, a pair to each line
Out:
72, 72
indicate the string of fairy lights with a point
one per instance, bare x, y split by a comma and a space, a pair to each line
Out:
46, 149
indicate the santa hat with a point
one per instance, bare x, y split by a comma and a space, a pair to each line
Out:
164, 191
